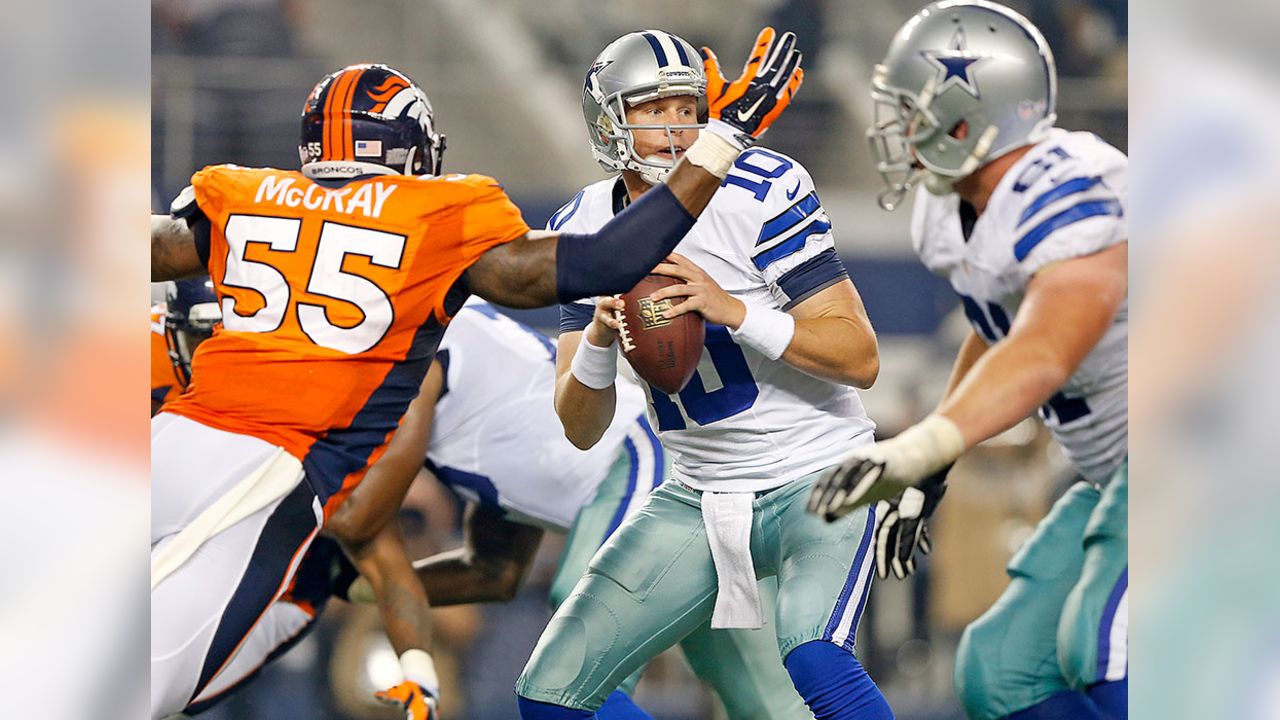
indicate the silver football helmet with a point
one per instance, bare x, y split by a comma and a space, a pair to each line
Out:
964, 82
636, 68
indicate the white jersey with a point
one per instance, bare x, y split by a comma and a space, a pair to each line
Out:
745, 423
496, 439
1065, 198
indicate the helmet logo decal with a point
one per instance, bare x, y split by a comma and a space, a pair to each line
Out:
955, 65
592, 84
382, 94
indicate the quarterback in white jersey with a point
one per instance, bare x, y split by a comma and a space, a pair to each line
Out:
771, 404
1029, 225
746, 422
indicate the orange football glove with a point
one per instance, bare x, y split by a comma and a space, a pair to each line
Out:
416, 702
769, 80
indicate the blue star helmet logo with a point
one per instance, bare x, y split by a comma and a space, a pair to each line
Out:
955, 65
592, 84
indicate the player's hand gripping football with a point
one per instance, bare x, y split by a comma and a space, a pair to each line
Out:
606, 323
751, 103
700, 293
871, 473
416, 702
902, 527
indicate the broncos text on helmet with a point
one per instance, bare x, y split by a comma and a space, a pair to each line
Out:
369, 119
963, 82
636, 68
191, 311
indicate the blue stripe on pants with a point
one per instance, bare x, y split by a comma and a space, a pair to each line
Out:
631, 489
852, 580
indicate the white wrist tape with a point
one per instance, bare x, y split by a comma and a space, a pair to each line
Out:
765, 329
715, 149
418, 667
595, 367
922, 449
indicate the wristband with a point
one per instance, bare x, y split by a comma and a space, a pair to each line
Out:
713, 151
595, 367
922, 449
418, 667
765, 329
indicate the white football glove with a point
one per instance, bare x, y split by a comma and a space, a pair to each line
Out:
881, 471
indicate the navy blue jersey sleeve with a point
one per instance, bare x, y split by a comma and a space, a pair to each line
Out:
576, 316
811, 277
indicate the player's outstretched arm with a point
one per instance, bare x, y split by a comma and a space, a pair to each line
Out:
406, 615
1067, 309
173, 249
543, 269
489, 567
586, 367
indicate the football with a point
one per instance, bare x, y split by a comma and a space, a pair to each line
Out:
664, 353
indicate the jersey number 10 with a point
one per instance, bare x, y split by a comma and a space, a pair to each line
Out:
704, 405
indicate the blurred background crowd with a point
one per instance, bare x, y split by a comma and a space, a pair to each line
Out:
228, 81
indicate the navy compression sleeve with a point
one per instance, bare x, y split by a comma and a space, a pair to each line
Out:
616, 257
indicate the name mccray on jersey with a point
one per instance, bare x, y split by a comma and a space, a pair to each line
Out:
745, 423
1065, 198
496, 439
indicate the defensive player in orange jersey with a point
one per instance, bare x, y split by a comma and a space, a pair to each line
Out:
336, 283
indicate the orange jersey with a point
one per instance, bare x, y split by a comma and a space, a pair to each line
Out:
333, 301
165, 384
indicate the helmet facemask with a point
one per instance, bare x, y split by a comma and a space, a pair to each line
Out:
616, 133
909, 143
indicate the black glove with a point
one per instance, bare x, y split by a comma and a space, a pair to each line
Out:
902, 527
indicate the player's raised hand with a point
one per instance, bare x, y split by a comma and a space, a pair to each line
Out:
769, 80
872, 473
901, 527
417, 703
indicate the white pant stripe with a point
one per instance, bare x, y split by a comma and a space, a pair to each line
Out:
1118, 659
848, 617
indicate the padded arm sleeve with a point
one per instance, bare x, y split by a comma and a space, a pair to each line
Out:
615, 258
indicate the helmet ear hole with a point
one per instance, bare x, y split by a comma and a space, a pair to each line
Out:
960, 130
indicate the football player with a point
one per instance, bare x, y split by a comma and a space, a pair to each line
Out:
496, 441
772, 404
1028, 223
177, 328
336, 283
